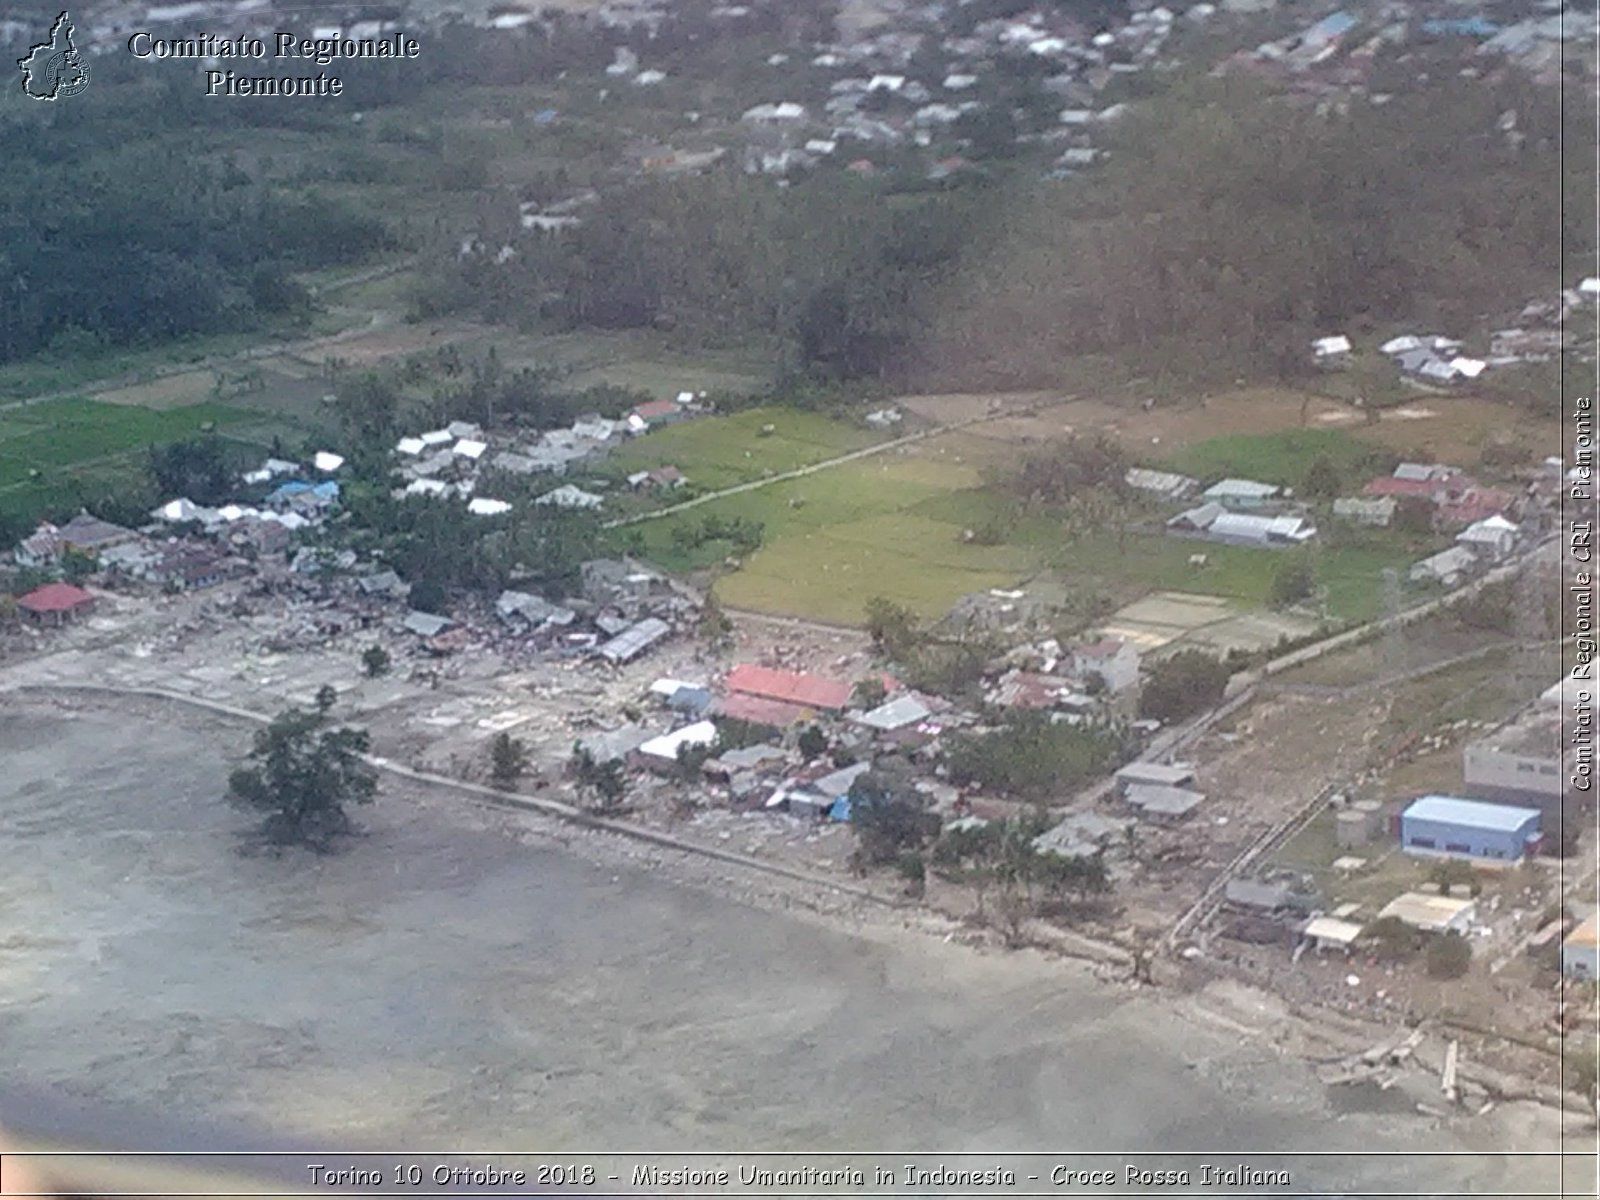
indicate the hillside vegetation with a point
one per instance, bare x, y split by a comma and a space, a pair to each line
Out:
1227, 227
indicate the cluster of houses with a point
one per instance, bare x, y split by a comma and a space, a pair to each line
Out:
621, 612
185, 545
449, 461
1516, 775
1437, 361
782, 772
1233, 512
1247, 512
1337, 52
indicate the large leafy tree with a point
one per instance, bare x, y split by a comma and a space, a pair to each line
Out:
303, 774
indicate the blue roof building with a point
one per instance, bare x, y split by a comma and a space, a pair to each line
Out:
1448, 827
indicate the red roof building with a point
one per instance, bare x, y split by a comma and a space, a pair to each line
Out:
654, 410
760, 711
1473, 504
55, 603
790, 687
1388, 485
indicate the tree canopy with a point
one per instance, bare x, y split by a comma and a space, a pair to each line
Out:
303, 775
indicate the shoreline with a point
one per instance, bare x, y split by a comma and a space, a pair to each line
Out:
1213, 997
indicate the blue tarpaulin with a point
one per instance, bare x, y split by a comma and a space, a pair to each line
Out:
1461, 27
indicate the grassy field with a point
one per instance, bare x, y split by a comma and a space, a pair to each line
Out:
893, 525
730, 450
1282, 458
835, 539
78, 444
1125, 569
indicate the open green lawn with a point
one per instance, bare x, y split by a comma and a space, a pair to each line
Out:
60, 433
842, 536
892, 525
81, 444
1126, 569
724, 451
1281, 458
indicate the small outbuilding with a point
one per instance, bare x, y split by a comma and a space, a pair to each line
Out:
1578, 953
1331, 933
1431, 913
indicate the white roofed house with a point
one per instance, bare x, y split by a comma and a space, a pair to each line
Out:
1241, 493
1360, 510
1330, 351
1112, 659
661, 753
1250, 529
783, 113
1493, 537
1164, 484
569, 496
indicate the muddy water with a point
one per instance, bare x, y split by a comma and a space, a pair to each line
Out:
447, 984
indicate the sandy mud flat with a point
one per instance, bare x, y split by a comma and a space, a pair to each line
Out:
462, 977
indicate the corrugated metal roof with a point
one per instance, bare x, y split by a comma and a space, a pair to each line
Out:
1162, 800
1427, 912
1471, 814
1331, 929
897, 713
702, 733
759, 710
635, 640
1241, 487
791, 687
1160, 774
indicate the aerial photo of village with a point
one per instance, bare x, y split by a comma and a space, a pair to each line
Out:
972, 577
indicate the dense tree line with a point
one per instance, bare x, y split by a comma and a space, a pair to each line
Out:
1226, 228
140, 245
1034, 757
1230, 226
825, 265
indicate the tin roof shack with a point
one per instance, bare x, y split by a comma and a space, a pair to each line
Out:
1331, 933
1446, 568
528, 613
55, 604
622, 585
39, 548
1376, 511
634, 641
1448, 827
1430, 913
425, 624
614, 745
1146, 774
1163, 484
1158, 803
1578, 952
1274, 893
828, 796
1081, 834
1493, 537
1241, 493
